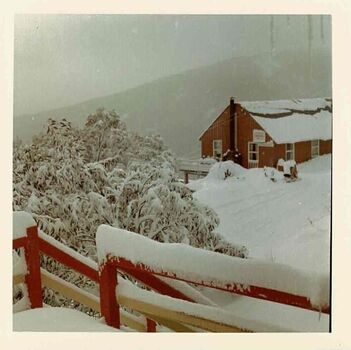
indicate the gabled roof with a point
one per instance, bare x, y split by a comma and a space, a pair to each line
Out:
289, 121
211, 125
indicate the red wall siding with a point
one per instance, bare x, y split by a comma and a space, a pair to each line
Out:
302, 151
219, 130
325, 147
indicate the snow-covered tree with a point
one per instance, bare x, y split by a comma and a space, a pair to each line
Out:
105, 136
151, 149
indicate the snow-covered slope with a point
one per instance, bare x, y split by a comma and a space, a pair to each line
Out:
278, 221
179, 107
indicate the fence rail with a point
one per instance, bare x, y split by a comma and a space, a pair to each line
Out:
195, 167
108, 303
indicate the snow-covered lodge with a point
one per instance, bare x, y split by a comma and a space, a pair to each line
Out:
265, 131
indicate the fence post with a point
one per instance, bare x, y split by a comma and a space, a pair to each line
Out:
33, 276
108, 301
186, 177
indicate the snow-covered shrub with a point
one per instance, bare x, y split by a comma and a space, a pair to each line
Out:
154, 203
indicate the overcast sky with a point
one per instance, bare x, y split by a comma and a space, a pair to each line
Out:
65, 59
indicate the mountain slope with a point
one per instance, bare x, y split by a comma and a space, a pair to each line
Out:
181, 106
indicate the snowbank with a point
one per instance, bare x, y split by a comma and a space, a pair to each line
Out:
198, 265
56, 319
20, 222
221, 170
237, 176
317, 166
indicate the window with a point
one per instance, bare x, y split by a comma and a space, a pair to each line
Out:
217, 148
314, 148
253, 152
289, 151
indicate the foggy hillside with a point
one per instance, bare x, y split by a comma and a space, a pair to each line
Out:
181, 106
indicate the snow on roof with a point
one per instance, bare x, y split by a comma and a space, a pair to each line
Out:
275, 107
297, 127
289, 121
195, 264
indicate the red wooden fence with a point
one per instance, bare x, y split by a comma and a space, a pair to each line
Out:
33, 245
107, 278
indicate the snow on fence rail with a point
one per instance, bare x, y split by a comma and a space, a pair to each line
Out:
164, 268
255, 278
207, 317
194, 165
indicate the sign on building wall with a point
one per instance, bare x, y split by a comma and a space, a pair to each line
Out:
258, 136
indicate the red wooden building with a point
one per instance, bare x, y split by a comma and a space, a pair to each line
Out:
265, 131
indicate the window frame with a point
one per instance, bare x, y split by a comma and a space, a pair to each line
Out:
216, 141
249, 152
313, 147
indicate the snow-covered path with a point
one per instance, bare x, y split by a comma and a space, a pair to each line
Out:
283, 222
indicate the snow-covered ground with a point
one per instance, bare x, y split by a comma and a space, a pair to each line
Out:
57, 319
278, 221
282, 222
